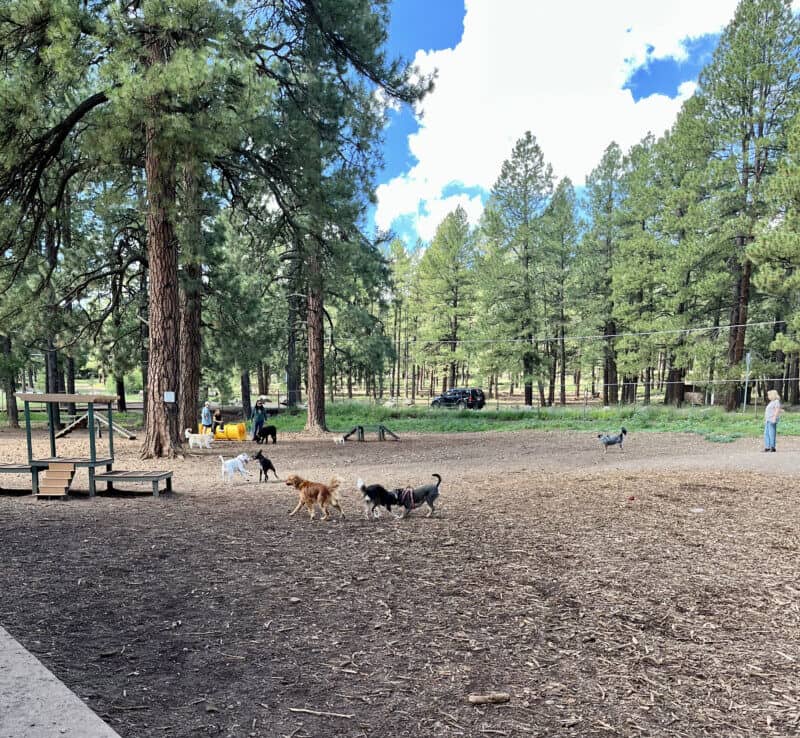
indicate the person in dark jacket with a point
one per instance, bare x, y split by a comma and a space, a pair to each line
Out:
217, 422
259, 417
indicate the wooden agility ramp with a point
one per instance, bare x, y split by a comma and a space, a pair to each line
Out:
83, 421
360, 431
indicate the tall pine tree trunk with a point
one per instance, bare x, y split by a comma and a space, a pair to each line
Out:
191, 344
9, 383
610, 378
52, 379
527, 370
53, 322
70, 374
736, 335
562, 351
191, 295
262, 383
119, 385
144, 338
396, 351
315, 388
161, 431
794, 384
247, 406
293, 392
674, 394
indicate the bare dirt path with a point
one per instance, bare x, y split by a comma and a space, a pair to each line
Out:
650, 592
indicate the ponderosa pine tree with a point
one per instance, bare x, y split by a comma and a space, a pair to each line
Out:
776, 252
562, 230
597, 259
164, 72
637, 278
514, 231
447, 282
751, 94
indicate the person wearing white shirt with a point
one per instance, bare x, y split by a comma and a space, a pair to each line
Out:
771, 415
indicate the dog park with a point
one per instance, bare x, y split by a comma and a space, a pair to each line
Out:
646, 592
511, 355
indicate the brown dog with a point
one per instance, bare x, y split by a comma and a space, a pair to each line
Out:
315, 493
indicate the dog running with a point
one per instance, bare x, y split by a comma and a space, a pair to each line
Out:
410, 497
265, 432
266, 465
375, 495
614, 439
231, 466
199, 440
315, 493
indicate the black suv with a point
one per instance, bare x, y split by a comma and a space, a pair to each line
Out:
472, 399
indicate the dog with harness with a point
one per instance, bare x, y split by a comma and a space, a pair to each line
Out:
410, 498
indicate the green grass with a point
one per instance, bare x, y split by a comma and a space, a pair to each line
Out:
714, 424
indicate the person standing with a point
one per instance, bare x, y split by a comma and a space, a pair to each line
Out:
205, 418
771, 415
259, 417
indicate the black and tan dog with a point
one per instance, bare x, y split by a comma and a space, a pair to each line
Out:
375, 496
412, 497
266, 465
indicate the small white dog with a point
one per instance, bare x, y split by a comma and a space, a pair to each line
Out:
230, 467
199, 440
340, 440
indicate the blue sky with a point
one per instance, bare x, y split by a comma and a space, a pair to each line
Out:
578, 75
416, 24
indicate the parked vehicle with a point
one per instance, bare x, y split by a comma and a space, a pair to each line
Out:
472, 398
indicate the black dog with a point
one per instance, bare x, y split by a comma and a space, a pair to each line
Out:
613, 440
266, 465
377, 496
427, 494
265, 432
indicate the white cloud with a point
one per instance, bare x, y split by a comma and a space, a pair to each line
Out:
554, 68
435, 210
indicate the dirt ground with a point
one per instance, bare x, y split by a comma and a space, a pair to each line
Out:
654, 592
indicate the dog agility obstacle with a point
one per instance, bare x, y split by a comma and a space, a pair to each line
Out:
359, 432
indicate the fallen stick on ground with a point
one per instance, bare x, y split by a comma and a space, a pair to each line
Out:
318, 712
493, 697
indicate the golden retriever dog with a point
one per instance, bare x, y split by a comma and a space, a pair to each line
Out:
315, 493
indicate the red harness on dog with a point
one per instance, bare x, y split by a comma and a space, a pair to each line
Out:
408, 494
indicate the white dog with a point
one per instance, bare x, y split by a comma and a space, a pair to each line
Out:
230, 467
340, 440
199, 440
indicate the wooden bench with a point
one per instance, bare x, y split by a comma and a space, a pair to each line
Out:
6, 468
360, 430
154, 477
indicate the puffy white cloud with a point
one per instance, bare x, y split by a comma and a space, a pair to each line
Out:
554, 68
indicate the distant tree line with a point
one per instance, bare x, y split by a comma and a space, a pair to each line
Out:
699, 228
